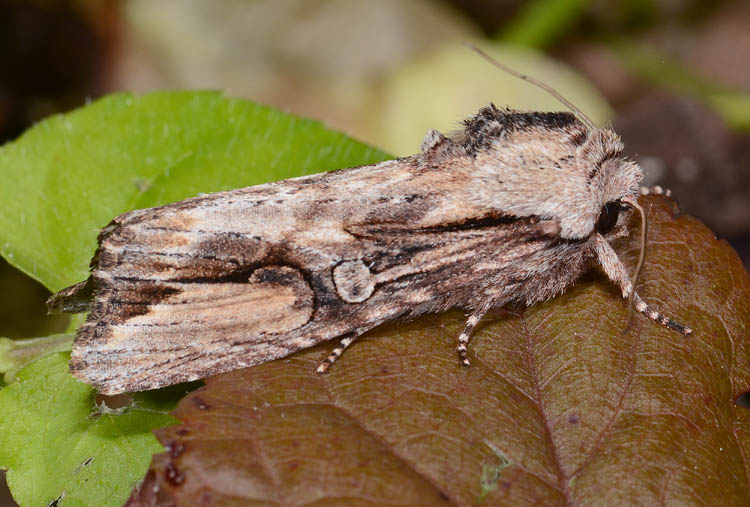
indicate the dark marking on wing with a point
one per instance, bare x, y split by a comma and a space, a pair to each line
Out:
470, 224
485, 222
275, 276
135, 299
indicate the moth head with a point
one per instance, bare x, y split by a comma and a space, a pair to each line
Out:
548, 165
614, 180
529, 169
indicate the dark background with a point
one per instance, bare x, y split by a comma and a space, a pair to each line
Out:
674, 71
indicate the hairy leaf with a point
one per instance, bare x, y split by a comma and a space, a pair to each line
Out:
563, 404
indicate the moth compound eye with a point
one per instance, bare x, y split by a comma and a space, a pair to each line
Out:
608, 217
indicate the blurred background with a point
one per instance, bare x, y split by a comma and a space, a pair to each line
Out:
672, 77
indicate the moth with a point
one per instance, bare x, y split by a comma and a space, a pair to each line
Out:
512, 208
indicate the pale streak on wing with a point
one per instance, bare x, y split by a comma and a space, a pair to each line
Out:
199, 320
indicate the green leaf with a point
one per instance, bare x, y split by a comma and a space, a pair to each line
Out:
70, 175
15, 354
55, 444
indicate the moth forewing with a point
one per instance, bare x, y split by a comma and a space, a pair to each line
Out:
509, 209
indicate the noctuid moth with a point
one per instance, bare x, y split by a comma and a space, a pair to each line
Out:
513, 208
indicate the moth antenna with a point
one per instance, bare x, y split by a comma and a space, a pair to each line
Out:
581, 116
641, 256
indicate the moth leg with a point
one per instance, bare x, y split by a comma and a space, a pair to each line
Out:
615, 271
642, 307
656, 190
347, 340
463, 338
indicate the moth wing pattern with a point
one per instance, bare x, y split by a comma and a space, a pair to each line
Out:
237, 278
233, 279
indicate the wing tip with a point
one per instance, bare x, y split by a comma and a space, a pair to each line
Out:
74, 299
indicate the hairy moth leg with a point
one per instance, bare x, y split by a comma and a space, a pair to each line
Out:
463, 338
615, 271
347, 340
656, 190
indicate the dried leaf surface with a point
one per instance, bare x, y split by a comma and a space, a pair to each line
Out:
559, 407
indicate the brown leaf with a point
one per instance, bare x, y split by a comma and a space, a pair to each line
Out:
558, 407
